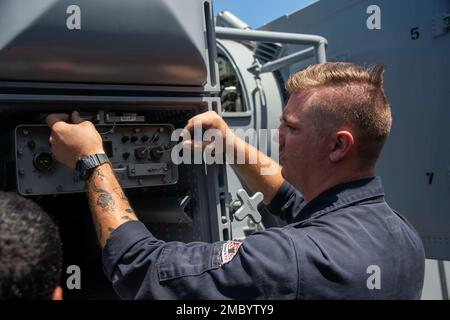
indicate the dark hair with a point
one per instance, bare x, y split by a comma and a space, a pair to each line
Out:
30, 250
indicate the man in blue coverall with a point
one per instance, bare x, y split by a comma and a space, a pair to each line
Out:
343, 241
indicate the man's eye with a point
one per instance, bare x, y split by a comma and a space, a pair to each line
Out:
291, 128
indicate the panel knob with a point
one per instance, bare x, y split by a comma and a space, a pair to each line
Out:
141, 153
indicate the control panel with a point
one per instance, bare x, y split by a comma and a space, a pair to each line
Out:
139, 153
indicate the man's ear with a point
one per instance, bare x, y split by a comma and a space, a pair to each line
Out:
57, 293
341, 144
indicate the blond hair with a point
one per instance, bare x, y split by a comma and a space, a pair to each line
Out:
347, 95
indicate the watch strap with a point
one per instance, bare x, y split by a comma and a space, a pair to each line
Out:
93, 161
86, 164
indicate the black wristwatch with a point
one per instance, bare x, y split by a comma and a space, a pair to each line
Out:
85, 165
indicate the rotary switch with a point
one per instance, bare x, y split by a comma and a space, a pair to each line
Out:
141, 153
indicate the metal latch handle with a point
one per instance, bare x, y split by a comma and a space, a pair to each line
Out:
247, 206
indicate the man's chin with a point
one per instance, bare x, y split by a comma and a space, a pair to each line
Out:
283, 173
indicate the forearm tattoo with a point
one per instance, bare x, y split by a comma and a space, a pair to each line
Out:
102, 200
105, 200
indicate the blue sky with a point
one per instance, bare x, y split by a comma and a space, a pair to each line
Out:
258, 12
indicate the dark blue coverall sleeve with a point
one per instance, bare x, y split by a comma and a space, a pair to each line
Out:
143, 267
286, 203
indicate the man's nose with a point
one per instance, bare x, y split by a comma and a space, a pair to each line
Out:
278, 136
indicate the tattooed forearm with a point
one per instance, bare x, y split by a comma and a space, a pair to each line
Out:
120, 193
130, 214
105, 201
108, 202
97, 174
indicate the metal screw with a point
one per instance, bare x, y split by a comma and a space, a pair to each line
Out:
25, 132
133, 171
235, 205
224, 220
28, 190
20, 152
161, 129
140, 181
21, 171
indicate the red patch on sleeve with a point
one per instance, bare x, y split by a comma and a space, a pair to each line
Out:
229, 250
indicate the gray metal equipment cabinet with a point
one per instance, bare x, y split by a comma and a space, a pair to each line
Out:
139, 70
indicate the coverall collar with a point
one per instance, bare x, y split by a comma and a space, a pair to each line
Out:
340, 196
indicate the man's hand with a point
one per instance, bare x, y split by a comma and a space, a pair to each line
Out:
109, 205
264, 175
70, 142
206, 121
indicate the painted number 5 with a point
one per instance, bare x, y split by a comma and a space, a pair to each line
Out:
415, 33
